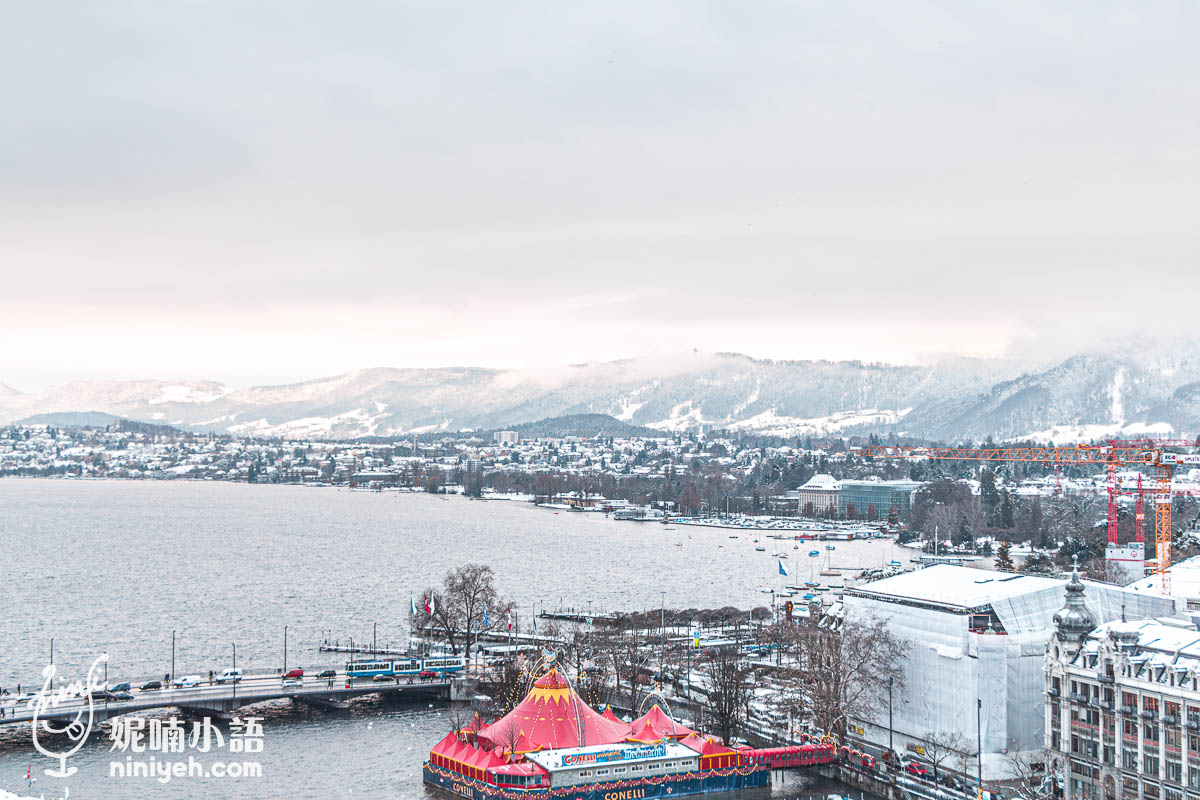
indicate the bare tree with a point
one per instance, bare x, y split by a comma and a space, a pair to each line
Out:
459, 608
626, 652
941, 746
843, 672
459, 716
1032, 778
508, 738
728, 693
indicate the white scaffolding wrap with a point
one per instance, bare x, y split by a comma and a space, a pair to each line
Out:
975, 635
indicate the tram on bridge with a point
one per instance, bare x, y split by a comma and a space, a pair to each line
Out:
408, 666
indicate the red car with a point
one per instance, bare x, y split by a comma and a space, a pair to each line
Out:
428, 675
915, 768
294, 673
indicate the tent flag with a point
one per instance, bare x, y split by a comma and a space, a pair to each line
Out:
535, 623
427, 608
782, 569
431, 604
486, 622
412, 606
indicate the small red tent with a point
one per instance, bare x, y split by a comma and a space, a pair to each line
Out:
655, 725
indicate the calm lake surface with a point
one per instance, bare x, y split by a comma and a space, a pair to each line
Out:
115, 566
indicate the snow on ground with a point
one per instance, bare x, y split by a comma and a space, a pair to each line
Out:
358, 419
1060, 434
182, 393
679, 420
768, 422
1114, 392
629, 407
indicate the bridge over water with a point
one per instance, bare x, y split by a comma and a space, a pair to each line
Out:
221, 701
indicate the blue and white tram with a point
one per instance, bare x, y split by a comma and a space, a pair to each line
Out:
407, 666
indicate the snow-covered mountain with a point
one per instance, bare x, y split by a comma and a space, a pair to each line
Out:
1083, 396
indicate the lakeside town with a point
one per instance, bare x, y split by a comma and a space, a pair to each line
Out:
1000, 659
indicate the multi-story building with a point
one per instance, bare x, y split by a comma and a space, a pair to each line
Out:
1123, 706
872, 500
818, 497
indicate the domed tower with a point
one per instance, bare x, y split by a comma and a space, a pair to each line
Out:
1073, 622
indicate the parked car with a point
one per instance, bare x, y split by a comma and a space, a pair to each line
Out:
915, 768
427, 675
150, 686
291, 683
230, 675
120, 696
382, 678
188, 682
121, 687
298, 672
329, 673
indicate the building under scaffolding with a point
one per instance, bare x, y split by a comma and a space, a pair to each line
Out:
974, 635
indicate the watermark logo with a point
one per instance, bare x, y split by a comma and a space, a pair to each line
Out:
141, 738
53, 717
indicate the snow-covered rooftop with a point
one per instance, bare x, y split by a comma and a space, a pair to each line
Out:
821, 482
956, 586
1185, 580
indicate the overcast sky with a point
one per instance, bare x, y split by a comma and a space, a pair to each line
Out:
262, 192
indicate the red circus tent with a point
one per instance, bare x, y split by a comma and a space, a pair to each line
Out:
550, 717
655, 725
608, 714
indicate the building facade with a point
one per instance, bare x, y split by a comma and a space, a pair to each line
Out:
1123, 711
817, 497
874, 500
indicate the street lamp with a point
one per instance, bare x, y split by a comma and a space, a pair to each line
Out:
979, 744
662, 632
374, 632
891, 744
285, 648
171, 677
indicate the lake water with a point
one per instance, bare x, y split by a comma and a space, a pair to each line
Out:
116, 566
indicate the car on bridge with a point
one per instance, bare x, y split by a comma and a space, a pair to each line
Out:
231, 675
298, 672
291, 683
329, 673
188, 682
429, 675
150, 686
120, 697
121, 687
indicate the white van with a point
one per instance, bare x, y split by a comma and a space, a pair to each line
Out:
230, 675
